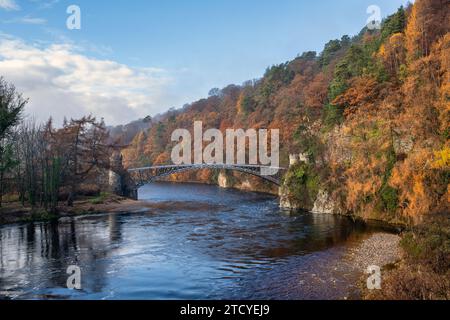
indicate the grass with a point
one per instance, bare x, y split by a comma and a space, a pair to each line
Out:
10, 198
101, 198
13, 212
40, 215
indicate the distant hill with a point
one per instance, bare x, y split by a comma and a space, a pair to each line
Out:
126, 133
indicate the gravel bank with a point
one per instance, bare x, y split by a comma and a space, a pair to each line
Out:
379, 250
333, 274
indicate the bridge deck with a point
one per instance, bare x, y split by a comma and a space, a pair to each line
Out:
211, 166
146, 175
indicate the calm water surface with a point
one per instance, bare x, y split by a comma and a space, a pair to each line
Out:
207, 243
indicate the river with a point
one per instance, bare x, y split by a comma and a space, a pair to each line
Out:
208, 243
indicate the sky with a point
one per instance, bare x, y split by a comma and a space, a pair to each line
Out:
133, 58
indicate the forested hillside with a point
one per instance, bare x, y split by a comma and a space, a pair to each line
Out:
371, 112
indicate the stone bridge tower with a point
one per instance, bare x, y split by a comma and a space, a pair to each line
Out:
120, 182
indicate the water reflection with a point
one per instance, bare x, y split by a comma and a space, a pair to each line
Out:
234, 250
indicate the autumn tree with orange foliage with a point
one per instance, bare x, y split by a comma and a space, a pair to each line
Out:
370, 112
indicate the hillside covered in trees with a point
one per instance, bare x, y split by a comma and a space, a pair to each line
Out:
371, 112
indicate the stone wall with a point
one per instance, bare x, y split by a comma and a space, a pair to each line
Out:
120, 182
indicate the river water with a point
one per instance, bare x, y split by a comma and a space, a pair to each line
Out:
206, 243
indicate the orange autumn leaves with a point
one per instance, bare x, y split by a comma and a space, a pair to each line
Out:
418, 182
362, 91
390, 141
393, 53
414, 101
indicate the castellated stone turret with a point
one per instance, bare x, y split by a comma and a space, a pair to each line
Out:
119, 181
298, 158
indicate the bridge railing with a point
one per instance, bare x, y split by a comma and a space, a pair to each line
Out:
207, 166
148, 174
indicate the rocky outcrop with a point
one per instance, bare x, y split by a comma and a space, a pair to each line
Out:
305, 198
403, 142
324, 203
222, 180
286, 201
245, 185
338, 146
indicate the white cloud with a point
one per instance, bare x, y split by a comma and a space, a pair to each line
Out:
9, 5
62, 81
48, 4
45, 4
31, 20
27, 20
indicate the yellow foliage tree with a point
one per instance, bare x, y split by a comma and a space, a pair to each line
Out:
393, 53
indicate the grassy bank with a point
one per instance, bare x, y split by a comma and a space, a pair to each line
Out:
14, 212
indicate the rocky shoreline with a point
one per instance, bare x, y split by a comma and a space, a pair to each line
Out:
337, 273
379, 250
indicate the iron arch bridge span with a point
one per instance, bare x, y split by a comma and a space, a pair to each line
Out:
143, 176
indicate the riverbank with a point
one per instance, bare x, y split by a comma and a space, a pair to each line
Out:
423, 273
14, 212
381, 250
343, 274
